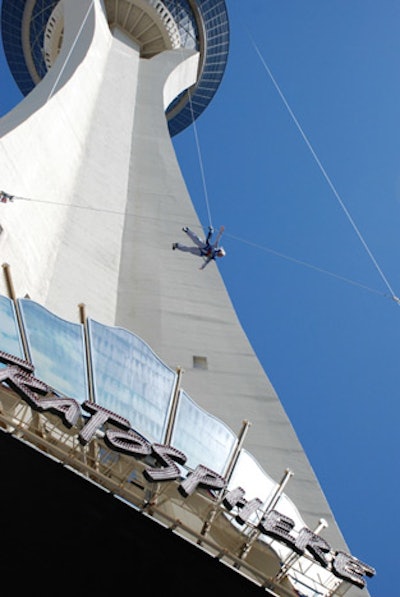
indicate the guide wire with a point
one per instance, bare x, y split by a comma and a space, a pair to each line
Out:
75, 205
228, 235
311, 266
71, 50
323, 171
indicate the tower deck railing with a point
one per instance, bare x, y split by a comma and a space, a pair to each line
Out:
168, 21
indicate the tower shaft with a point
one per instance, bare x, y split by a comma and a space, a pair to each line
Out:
102, 199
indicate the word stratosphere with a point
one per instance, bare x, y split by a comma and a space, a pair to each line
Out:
18, 375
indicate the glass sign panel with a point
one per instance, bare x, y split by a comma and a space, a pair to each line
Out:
10, 340
57, 348
129, 379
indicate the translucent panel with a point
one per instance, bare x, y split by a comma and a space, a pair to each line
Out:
203, 438
129, 379
287, 507
10, 340
57, 350
249, 475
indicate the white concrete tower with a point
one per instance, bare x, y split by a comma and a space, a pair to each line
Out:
89, 153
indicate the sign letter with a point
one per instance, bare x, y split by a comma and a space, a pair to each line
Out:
167, 456
203, 477
351, 569
278, 526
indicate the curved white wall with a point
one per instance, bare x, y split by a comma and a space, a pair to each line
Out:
100, 147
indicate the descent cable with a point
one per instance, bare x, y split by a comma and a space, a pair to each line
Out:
177, 4
200, 160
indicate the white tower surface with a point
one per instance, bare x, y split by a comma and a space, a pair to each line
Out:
100, 198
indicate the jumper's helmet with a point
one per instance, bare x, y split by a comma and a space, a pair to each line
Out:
221, 252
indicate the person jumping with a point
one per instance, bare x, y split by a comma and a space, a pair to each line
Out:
203, 248
5, 197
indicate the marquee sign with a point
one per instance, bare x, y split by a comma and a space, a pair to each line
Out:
120, 437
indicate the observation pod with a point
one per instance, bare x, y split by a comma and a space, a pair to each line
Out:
99, 200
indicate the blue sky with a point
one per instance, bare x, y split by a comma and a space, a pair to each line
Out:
303, 169
307, 184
